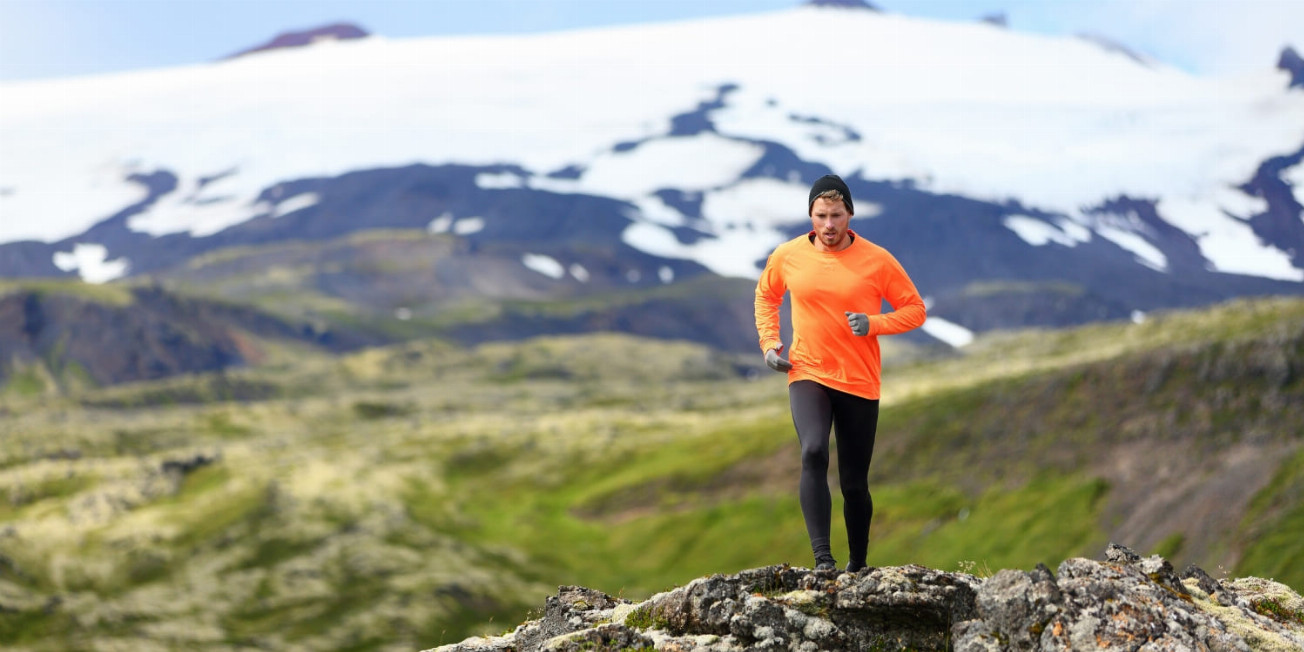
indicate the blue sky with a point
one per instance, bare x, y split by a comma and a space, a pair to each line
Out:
58, 38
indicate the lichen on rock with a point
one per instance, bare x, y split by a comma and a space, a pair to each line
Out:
1125, 602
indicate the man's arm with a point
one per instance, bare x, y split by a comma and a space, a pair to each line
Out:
908, 311
769, 296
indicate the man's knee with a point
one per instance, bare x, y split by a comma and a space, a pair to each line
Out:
815, 457
854, 488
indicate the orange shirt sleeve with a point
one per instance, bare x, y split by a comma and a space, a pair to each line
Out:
908, 311
769, 296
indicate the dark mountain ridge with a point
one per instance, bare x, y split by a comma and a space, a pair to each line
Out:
1291, 62
295, 39
67, 339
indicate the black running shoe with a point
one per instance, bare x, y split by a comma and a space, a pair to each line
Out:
855, 566
826, 564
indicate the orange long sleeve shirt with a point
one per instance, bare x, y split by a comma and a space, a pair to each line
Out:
822, 287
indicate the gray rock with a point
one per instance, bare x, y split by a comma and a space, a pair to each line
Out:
1202, 579
1123, 603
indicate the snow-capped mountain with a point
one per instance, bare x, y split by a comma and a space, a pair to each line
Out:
1021, 179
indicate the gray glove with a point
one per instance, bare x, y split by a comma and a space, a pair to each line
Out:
859, 323
776, 363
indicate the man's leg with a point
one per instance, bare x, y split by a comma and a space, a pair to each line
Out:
856, 423
812, 415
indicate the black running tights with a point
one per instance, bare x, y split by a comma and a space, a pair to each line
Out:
816, 408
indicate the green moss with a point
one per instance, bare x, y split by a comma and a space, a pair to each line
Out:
28, 381
34, 627
272, 551
1273, 609
646, 617
145, 565
370, 410
200, 527
224, 425
22, 499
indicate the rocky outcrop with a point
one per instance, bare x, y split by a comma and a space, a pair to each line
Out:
333, 32
842, 4
1291, 62
1125, 602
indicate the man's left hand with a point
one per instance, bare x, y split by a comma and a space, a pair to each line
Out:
859, 323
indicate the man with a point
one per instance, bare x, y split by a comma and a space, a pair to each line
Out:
837, 281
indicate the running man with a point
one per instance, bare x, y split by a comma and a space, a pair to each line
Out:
837, 281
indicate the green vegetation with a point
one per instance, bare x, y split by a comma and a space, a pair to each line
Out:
1170, 546
413, 495
1273, 524
114, 294
1273, 609
645, 618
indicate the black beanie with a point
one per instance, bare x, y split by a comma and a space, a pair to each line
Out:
829, 182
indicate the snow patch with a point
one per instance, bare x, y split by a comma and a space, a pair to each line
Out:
1128, 231
91, 263
1238, 203
1228, 243
758, 202
440, 224
546, 265
949, 332
1038, 232
686, 163
490, 181
199, 208
468, 225
666, 274
1295, 177
742, 223
296, 203
1146, 253
653, 208
42, 202
577, 270
735, 252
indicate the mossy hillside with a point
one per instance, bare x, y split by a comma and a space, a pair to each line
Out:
1273, 526
500, 473
242, 551
112, 294
310, 524
1011, 354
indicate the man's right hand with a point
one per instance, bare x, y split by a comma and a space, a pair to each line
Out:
775, 362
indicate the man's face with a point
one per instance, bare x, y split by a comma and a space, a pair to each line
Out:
830, 220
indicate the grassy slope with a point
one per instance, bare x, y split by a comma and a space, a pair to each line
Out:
404, 497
